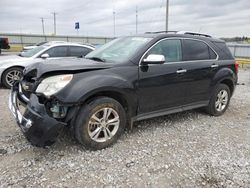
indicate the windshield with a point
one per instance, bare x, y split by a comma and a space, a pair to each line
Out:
33, 51
40, 43
118, 50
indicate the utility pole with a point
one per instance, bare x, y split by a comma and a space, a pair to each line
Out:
21, 36
136, 20
114, 21
54, 14
167, 14
42, 19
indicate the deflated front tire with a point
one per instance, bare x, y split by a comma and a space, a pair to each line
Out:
100, 123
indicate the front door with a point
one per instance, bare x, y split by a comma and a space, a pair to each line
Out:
57, 52
162, 86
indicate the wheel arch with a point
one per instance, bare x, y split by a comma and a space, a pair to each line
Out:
124, 100
229, 83
129, 106
225, 76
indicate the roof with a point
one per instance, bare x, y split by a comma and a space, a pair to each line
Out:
182, 34
62, 43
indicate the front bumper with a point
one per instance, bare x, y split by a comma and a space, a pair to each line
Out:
1, 74
38, 127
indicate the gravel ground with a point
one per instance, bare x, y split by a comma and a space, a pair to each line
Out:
189, 149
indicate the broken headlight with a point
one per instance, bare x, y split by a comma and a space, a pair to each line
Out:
51, 85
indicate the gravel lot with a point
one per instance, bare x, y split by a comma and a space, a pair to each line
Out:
189, 149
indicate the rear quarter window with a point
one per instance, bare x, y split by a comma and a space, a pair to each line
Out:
223, 50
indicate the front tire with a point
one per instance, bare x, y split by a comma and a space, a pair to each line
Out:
100, 123
219, 101
11, 75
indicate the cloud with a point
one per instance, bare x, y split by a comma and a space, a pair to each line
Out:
221, 18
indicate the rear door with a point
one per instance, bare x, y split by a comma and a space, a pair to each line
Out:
201, 64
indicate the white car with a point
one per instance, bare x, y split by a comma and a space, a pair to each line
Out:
26, 48
11, 67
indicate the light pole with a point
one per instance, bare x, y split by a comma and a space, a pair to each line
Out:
42, 19
54, 14
114, 21
136, 21
167, 14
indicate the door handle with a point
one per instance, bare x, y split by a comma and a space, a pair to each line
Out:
181, 71
214, 66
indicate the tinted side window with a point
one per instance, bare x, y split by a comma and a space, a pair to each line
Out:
171, 49
195, 50
223, 50
60, 51
221, 45
76, 51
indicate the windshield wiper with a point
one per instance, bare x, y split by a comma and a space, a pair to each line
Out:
96, 59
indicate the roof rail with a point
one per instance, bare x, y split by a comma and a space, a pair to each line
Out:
180, 32
193, 33
158, 32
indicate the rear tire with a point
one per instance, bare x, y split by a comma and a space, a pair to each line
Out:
11, 75
100, 123
219, 101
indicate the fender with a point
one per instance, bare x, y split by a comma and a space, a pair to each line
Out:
83, 88
224, 74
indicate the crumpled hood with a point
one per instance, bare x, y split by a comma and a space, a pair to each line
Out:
67, 64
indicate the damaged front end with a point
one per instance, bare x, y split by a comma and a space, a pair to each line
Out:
43, 118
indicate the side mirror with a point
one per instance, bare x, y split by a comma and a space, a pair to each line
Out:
154, 59
45, 56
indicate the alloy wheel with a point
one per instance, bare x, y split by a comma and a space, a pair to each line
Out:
221, 101
103, 124
13, 76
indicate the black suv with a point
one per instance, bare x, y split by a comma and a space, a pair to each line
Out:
128, 79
